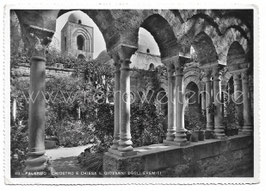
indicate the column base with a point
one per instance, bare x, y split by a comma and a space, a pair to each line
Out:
180, 136
184, 143
125, 145
115, 144
247, 130
122, 154
38, 165
170, 136
219, 132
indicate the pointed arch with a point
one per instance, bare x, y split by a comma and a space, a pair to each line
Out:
163, 34
205, 50
236, 57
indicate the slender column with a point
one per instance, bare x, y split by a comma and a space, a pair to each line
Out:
251, 98
116, 106
37, 41
209, 115
125, 143
218, 118
79, 113
171, 111
237, 99
14, 110
247, 127
37, 160
125, 136
203, 100
180, 136
222, 98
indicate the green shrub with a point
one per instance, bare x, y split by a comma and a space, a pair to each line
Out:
147, 124
194, 119
72, 134
92, 158
19, 147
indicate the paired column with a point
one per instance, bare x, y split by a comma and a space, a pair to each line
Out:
37, 43
223, 96
203, 100
116, 105
237, 99
218, 117
122, 144
209, 114
180, 136
171, 104
247, 126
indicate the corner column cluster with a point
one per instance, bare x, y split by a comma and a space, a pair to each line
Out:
122, 144
176, 130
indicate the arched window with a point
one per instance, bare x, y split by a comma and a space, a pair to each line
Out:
89, 45
80, 42
151, 67
81, 57
148, 51
65, 43
79, 22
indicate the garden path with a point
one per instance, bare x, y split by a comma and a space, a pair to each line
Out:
65, 163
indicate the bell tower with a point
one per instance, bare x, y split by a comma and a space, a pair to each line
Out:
77, 37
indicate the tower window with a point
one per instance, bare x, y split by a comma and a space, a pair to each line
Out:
65, 39
151, 67
79, 22
148, 50
80, 42
81, 57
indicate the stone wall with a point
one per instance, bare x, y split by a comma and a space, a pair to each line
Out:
23, 70
232, 157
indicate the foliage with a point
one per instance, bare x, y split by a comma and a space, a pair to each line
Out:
71, 134
231, 120
19, 147
92, 158
194, 119
147, 125
212, 109
104, 123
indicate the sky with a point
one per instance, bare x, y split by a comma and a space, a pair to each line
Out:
146, 40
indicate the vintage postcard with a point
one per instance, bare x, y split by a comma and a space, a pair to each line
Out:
113, 94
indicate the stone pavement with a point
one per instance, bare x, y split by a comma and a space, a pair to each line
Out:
65, 163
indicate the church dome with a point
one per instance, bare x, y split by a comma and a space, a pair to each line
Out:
79, 18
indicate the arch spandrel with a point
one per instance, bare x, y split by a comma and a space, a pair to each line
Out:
235, 56
160, 23
227, 40
44, 19
205, 50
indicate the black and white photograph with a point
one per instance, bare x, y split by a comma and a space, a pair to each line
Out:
131, 93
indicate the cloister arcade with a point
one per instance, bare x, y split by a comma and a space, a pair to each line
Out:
222, 41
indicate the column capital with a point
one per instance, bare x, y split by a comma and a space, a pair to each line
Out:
207, 74
170, 70
237, 78
36, 40
179, 71
217, 73
124, 52
114, 55
117, 63
244, 75
168, 61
